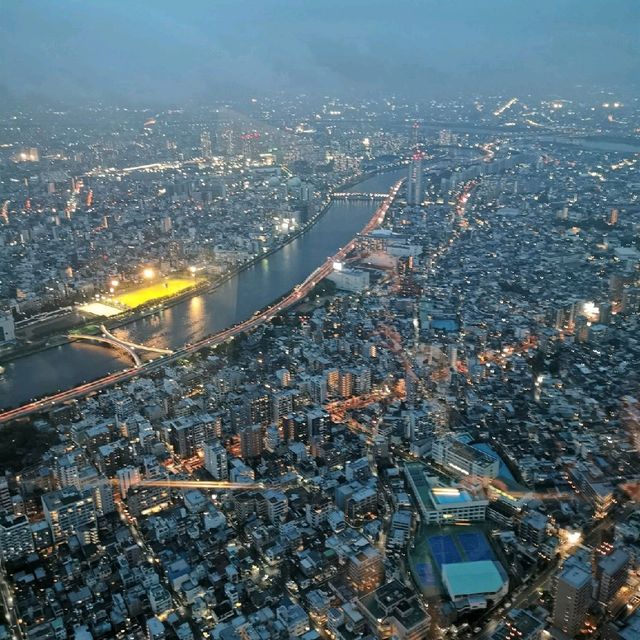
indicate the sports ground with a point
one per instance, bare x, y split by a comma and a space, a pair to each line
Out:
436, 546
169, 287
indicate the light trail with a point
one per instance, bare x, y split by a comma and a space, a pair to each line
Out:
507, 105
204, 484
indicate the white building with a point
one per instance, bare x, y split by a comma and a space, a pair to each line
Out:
442, 505
128, 477
71, 512
463, 459
215, 460
349, 279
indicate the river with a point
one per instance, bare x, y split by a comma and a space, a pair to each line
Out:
60, 368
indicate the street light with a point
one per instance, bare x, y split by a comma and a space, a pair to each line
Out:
192, 269
148, 273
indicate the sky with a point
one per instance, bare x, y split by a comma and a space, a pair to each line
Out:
179, 51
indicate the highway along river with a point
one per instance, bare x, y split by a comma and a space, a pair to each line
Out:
69, 365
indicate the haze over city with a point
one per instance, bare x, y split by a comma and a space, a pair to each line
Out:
167, 52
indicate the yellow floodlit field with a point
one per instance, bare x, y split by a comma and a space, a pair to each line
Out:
169, 287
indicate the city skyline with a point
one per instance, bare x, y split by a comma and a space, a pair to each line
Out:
319, 320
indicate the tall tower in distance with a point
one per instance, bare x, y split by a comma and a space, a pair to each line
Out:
414, 183
205, 144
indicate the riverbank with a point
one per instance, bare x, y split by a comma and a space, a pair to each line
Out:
258, 308
53, 340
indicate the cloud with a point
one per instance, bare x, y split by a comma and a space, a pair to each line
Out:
149, 51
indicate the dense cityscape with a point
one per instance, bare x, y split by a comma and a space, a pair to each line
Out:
320, 321
434, 436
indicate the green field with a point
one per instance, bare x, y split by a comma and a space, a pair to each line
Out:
168, 287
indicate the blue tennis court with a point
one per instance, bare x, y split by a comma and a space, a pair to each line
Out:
443, 550
475, 546
425, 574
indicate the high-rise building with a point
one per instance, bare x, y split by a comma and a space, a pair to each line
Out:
67, 469
318, 424
127, 477
205, 144
6, 503
187, 434
414, 183
259, 405
611, 574
573, 596
71, 512
281, 404
251, 441
215, 460
365, 570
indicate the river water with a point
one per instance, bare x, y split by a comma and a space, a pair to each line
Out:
69, 365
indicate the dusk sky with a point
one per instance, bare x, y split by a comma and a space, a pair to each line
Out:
170, 52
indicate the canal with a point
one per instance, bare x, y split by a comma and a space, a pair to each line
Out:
69, 365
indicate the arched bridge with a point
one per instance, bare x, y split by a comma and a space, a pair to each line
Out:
116, 344
133, 345
130, 348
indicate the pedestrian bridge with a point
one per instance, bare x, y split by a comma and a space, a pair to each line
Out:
130, 348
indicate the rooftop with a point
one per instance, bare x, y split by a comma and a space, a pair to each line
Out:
472, 578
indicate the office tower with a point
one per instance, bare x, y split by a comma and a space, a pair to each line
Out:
16, 539
613, 217
215, 460
414, 183
573, 596
611, 574
205, 144
251, 444
71, 512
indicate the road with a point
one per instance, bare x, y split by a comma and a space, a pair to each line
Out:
529, 593
258, 319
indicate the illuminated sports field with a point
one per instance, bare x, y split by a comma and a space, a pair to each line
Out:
169, 287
